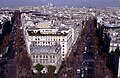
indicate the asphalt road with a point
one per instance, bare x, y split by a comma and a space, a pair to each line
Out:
10, 71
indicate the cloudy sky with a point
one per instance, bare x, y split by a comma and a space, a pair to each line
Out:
75, 3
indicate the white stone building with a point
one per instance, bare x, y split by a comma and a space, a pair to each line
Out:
46, 55
45, 33
49, 37
114, 45
115, 40
114, 33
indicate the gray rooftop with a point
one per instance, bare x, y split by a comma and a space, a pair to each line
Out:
44, 49
112, 25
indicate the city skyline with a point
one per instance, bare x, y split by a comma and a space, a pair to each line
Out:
80, 40
69, 3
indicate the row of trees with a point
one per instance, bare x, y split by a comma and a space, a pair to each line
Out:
100, 68
22, 60
73, 61
23, 65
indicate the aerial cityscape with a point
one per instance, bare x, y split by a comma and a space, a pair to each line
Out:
60, 39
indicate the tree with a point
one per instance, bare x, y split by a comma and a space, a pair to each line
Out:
4, 43
23, 64
39, 67
51, 69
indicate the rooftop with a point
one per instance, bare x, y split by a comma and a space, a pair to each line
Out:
43, 25
44, 49
31, 33
113, 25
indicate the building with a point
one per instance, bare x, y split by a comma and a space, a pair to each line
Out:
44, 33
114, 44
46, 55
114, 34
49, 37
113, 29
3, 20
48, 42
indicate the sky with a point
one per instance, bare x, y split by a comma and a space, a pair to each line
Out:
69, 3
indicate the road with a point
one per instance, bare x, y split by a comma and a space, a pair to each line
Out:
10, 71
84, 60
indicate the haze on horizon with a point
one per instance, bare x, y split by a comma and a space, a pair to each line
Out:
69, 3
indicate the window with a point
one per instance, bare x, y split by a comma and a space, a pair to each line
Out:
53, 56
33, 60
35, 38
43, 61
40, 61
36, 61
38, 39
50, 56
36, 56
53, 61
50, 61
63, 55
48, 42
46, 56
43, 56
63, 39
63, 45
46, 60
40, 56
33, 56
